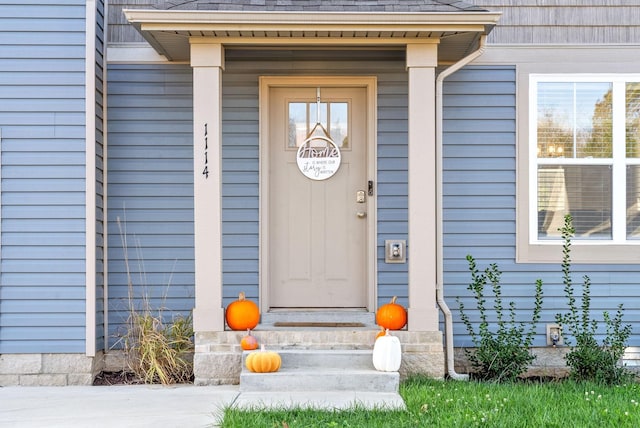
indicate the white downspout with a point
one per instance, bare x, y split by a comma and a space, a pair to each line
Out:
448, 323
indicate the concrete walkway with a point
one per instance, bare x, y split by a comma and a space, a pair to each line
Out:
131, 406
137, 406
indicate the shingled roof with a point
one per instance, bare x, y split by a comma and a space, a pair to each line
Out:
323, 5
454, 25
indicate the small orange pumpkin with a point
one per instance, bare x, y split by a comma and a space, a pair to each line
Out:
392, 315
249, 342
242, 314
263, 361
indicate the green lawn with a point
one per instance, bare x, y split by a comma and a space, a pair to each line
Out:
432, 403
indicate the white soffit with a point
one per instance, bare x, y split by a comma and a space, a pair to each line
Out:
169, 31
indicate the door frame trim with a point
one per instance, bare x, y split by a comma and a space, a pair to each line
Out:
370, 84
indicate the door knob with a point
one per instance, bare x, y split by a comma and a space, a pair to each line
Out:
361, 214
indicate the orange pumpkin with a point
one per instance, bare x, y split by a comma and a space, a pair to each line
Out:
242, 314
263, 361
392, 315
249, 343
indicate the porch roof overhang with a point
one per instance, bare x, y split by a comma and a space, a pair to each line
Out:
170, 32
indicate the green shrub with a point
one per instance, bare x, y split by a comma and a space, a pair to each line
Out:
587, 360
502, 355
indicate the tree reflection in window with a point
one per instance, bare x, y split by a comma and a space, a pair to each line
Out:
303, 116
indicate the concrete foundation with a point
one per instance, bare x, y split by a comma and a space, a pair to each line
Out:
549, 362
49, 369
218, 357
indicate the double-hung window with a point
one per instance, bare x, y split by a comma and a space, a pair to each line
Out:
584, 159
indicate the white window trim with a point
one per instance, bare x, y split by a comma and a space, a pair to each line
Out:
90, 181
528, 247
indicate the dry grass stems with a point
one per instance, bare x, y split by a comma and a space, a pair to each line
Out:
157, 350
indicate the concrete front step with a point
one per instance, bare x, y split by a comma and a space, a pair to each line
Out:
325, 359
218, 356
321, 370
320, 380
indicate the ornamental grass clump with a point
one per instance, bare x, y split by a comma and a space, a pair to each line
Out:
159, 353
157, 348
501, 355
588, 360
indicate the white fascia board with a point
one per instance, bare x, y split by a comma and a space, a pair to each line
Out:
319, 18
579, 55
308, 21
131, 53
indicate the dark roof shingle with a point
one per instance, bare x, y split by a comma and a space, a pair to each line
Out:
322, 5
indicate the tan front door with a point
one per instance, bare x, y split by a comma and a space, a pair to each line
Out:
317, 228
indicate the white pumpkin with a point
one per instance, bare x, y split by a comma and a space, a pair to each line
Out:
387, 353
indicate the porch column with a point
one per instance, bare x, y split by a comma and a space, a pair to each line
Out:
422, 60
207, 60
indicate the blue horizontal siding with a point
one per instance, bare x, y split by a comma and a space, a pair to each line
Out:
150, 195
240, 191
36, 212
33, 25
45, 89
52, 65
392, 181
151, 215
122, 177
53, 265
66, 38
479, 204
43, 198
29, 334
62, 239
55, 51
39, 253
33, 346
28, 320
42, 119
29, 184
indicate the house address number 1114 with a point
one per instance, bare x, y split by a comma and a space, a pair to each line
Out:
205, 171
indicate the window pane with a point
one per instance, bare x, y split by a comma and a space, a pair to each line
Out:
633, 202
633, 119
582, 191
594, 120
555, 119
574, 120
297, 124
303, 117
340, 124
313, 115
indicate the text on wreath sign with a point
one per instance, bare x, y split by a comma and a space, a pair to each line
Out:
319, 152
